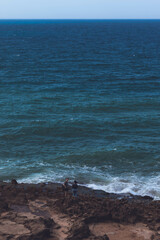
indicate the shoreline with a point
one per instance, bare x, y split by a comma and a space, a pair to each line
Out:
88, 188
40, 211
82, 189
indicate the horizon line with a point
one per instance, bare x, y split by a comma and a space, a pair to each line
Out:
79, 18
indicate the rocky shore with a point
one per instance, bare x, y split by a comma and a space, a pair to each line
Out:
41, 212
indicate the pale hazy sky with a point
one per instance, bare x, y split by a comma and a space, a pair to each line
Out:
79, 9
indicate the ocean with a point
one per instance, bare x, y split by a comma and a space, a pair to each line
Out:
81, 99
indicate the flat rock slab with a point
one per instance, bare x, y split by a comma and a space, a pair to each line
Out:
12, 228
118, 231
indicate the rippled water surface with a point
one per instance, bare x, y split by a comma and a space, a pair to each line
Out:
81, 99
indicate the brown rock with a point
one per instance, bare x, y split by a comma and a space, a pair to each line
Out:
39, 228
32, 207
3, 205
79, 231
105, 237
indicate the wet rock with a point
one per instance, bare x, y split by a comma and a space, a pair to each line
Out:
147, 198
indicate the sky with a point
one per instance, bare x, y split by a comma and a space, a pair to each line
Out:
79, 9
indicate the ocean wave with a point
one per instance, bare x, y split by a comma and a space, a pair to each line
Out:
134, 184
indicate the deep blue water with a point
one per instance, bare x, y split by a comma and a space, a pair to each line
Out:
81, 99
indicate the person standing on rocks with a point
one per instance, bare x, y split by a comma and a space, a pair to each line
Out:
66, 187
74, 189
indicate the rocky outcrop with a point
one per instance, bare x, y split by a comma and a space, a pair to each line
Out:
79, 231
41, 212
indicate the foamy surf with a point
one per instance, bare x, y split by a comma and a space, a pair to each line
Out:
149, 186
136, 185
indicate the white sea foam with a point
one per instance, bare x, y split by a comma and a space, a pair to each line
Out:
38, 178
133, 184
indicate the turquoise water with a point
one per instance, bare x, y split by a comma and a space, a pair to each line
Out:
81, 99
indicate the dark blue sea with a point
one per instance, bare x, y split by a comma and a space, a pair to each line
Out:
81, 99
